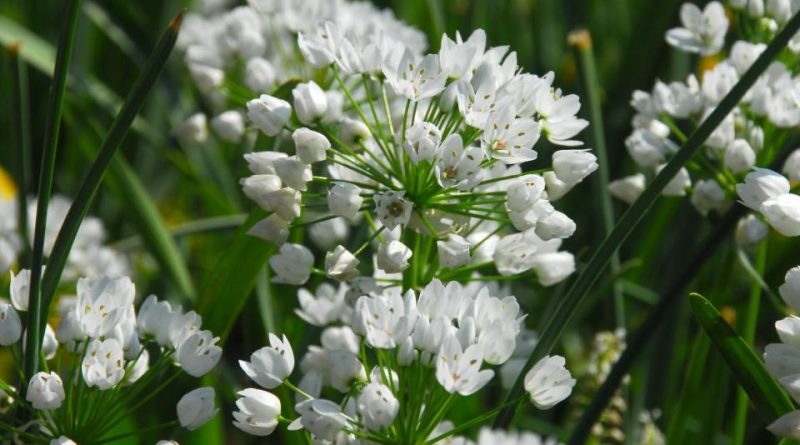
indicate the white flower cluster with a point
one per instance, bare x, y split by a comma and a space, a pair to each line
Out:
89, 256
433, 143
500, 437
783, 359
108, 342
441, 344
751, 136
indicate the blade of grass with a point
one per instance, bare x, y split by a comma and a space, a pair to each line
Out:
582, 40
769, 399
21, 134
117, 132
233, 279
631, 218
194, 227
37, 313
748, 328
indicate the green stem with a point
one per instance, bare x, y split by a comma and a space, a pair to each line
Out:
37, 312
748, 333
90, 184
21, 128
631, 218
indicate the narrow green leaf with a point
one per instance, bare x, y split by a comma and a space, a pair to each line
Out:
88, 189
38, 309
569, 305
769, 399
233, 279
21, 135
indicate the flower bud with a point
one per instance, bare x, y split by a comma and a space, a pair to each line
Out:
341, 264
549, 382
571, 166
273, 229
454, 252
739, 156
320, 417
45, 391
310, 102
555, 225
262, 162
787, 426
269, 113
311, 146
196, 408
259, 75
194, 129
377, 405
352, 131
257, 187
678, 184
393, 256
556, 188
344, 199
791, 168
10, 325
257, 412
553, 267
345, 368
229, 126
708, 196
628, 188
284, 202
292, 264
760, 185
783, 214
293, 172
750, 231
790, 289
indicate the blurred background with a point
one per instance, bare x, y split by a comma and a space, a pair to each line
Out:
681, 381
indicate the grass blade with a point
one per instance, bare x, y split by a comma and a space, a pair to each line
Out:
233, 279
37, 311
631, 218
21, 131
90, 184
767, 396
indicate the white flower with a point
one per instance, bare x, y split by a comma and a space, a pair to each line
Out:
571, 166
310, 146
10, 325
549, 382
102, 303
628, 188
167, 442
154, 320
459, 370
198, 353
49, 343
760, 185
646, 148
454, 252
555, 225
341, 264
787, 426
258, 412
284, 202
319, 47
392, 209
326, 307
457, 166
64, 440
261, 162
292, 264
181, 326
783, 214
422, 142
269, 113
377, 405
340, 337
310, 102
257, 187
196, 408
139, 368
703, 32
558, 116
320, 417
416, 79
19, 290
328, 233
790, 289
553, 267
514, 253
103, 365
344, 199
45, 391
739, 156
782, 360
556, 188
678, 184
69, 332
345, 368
508, 138
393, 256
229, 126
293, 172
270, 365
273, 229
259, 74
387, 319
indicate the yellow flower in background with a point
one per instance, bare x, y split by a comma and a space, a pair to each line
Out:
7, 188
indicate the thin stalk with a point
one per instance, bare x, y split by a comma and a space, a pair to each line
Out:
633, 216
748, 333
21, 128
583, 42
37, 312
90, 184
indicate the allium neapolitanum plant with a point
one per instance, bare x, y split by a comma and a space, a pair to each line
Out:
402, 198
